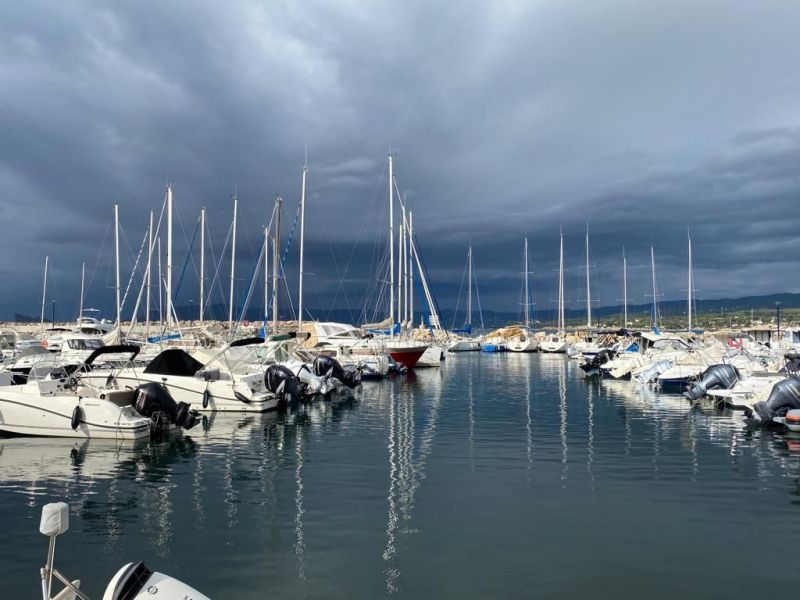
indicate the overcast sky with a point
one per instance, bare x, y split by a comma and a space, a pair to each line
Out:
506, 118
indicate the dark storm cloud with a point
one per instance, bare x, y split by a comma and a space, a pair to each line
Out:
506, 118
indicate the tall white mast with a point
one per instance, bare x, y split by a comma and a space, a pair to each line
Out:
80, 305
233, 263
391, 247
202, 264
401, 268
469, 285
411, 269
44, 291
148, 277
116, 265
169, 259
561, 319
276, 265
266, 277
588, 284
624, 288
655, 299
691, 277
527, 292
302, 246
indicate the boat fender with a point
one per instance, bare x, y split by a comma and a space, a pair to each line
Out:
241, 397
77, 417
206, 397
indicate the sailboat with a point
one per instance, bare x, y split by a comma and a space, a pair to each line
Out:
557, 342
524, 341
466, 343
404, 352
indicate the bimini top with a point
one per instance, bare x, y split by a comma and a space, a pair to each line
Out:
174, 362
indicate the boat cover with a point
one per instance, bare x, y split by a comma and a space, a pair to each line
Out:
174, 362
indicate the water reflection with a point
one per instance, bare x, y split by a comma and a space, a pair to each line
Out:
407, 461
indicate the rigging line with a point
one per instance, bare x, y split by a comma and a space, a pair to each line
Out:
133, 273
100, 255
253, 279
188, 256
477, 295
219, 265
458, 298
282, 261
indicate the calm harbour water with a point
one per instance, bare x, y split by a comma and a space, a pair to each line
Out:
498, 476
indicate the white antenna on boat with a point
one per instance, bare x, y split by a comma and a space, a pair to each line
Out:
202, 264
83, 280
561, 319
233, 262
44, 291
302, 246
527, 291
169, 258
276, 265
691, 278
588, 284
116, 266
391, 248
624, 287
411, 267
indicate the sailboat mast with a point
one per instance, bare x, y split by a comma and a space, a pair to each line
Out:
527, 291
169, 259
202, 264
80, 305
116, 265
588, 285
44, 291
411, 266
233, 263
561, 319
469, 286
148, 278
624, 288
655, 299
391, 247
276, 240
266, 274
302, 245
400, 269
691, 279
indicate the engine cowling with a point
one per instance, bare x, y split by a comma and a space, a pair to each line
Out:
327, 366
715, 377
135, 581
280, 380
785, 396
152, 398
598, 360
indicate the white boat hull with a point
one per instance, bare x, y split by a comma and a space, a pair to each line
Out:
464, 346
51, 416
527, 344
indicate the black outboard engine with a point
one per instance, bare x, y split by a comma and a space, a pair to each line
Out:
785, 396
281, 381
715, 377
598, 360
792, 363
153, 399
327, 366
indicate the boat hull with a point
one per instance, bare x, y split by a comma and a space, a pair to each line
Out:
408, 356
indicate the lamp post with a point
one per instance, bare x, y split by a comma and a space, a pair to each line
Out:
778, 317
191, 312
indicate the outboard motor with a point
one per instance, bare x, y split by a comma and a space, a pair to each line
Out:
651, 374
598, 360
135, 581
792, 363
153, 399
785, 396
281, 381
327, 366
715, 377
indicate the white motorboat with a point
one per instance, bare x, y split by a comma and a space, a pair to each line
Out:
432, 357
53, 404
202, 387
134, 581
464, 345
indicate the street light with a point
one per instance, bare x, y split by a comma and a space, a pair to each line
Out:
778, 317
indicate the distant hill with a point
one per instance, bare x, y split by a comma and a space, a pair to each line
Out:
493, 319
